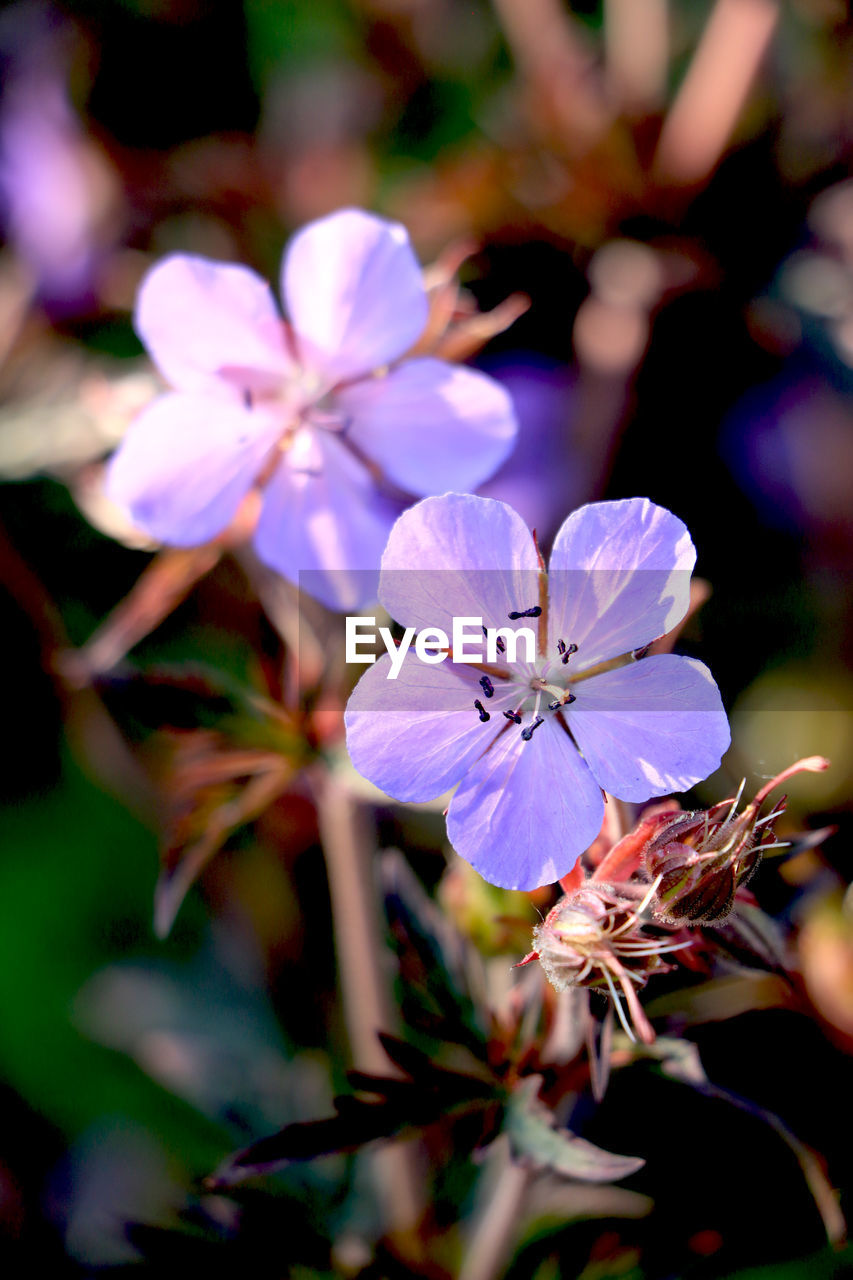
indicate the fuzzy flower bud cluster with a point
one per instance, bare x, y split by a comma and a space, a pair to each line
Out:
617, 925
700, 860
596, 938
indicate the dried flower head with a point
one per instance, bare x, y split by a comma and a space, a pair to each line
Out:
596, 938
699, 860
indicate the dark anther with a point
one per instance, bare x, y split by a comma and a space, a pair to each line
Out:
527, 733
487, 687
499, 644
568, 653
533, 612
561, 702
513, 716
561, 647
247, 398
484, 715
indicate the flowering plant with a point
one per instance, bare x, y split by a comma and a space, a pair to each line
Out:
322, 413
533, 742
325, 973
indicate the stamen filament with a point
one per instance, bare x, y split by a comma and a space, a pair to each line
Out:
619, 1010
632, 920
777, 813
653, 950
731, 813
641, 1022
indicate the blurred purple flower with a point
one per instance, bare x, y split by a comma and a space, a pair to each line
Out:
340, 434
532, 744
548, 472
58, 196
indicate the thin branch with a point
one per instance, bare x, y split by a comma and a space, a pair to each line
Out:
715, 90
636, 53
495, 1229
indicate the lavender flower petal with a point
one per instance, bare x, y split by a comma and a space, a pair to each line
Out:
431, 425
459, 555
651, 727
415, 736
525, 812
353, 292
619, 577
186, 463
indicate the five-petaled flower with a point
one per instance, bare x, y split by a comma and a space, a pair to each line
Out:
320, 411
532, 744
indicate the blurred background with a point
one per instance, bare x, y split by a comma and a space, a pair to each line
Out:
669, 183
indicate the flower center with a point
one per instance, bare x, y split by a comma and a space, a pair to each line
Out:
543, 685
307, 407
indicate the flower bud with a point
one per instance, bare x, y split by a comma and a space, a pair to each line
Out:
700, 860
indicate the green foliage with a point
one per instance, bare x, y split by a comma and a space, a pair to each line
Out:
536, 1143
288, 34
76, 879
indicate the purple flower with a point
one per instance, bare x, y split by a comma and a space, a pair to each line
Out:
54, 189
549, 472
532, 743
318, 411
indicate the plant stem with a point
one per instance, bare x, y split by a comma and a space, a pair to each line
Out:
347, 838
495, 1230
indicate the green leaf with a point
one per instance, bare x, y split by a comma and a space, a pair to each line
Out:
678, 1059
756, 935
432, 955
722, 998
535, 1142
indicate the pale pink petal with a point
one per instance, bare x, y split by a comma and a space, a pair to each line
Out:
324, 524
185, 465
431, 426
353, 292
201, 319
